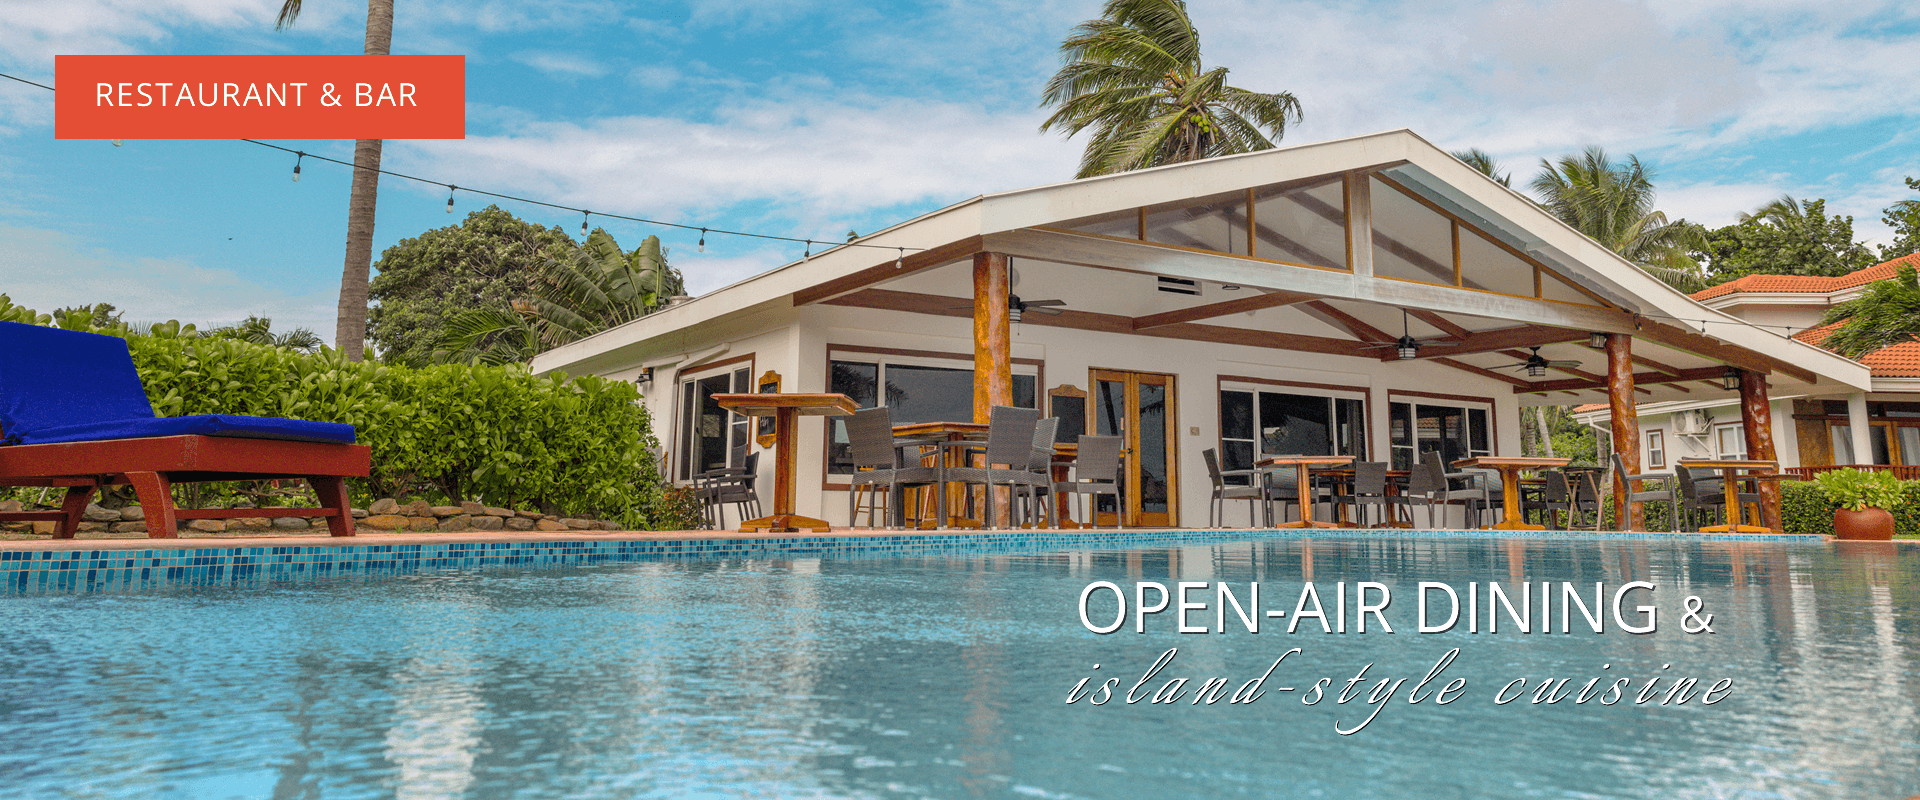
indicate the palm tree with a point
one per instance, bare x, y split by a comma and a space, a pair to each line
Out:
350, 326
1484, 164
1886, 313
1135, 77
591, 289
1613, 204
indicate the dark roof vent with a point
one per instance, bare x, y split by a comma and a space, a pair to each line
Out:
1179, 286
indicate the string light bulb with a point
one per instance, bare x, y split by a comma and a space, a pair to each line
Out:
583, 223
296, 166
703, 240
900, 260
116, 143
450, 188
808, 253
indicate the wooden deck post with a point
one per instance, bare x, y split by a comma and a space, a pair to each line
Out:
1626, 428
992, 336
1756, 416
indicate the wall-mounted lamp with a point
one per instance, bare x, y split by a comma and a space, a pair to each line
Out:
1597, 341
1730, 379
645, 378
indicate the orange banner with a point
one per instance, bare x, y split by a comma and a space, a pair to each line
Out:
260, 97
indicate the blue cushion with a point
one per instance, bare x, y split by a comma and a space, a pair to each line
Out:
298, 430
68, 386
50, 378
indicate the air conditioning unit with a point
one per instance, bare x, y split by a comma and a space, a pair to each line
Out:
1692, 423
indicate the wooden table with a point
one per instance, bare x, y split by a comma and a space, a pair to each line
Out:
1730, 474
786, 410
1512, 518
1396, 481
1301, 467
946, 432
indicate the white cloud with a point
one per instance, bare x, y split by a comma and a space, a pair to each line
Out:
147, 288
561, 65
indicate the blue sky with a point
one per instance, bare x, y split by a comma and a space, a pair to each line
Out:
807, 118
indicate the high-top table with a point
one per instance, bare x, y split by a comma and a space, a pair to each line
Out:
1512, 518
950, 496
1730, 472
1301, 466
786, 410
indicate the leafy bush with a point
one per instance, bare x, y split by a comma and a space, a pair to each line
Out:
1857, 490
1804, 508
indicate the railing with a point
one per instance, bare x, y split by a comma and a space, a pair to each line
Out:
1905, 472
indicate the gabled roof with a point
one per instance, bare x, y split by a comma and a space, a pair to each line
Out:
1898, 360
1809, 284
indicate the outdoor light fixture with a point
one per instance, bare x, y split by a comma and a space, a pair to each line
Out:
1407, 350
1229, 287
1597, 341
1536, 370
1730, 379
645, 379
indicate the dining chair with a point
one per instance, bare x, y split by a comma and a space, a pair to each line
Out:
1704, 491
1665, 480
1369, 489
1254, 492
1038, 479
1551, 501
1467, 489
1096, 471
729, 486
1007, 454
878, 465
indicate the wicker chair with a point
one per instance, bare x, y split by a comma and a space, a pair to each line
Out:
1369, 489
1666, 492
1255, 493
1096, 471
878, 465
1009, 444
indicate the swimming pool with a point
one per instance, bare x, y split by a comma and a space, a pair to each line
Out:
947, 675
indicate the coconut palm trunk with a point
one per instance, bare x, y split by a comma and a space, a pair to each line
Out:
350, 326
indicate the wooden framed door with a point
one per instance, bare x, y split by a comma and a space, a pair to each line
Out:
1139, 406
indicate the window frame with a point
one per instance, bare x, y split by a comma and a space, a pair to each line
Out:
1719, 434
882, 357
679, 450
1656, 448
1255, 386
1465, 403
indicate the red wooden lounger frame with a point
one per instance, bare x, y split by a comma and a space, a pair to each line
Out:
155, 464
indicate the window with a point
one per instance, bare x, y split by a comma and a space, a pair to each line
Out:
918, 389
1731, 441
708, 433
1656, 449
1454, 431
1258, 421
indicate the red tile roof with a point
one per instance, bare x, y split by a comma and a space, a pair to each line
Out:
1899, 360
1807, 283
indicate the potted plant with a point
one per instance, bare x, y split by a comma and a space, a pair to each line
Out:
1863, 499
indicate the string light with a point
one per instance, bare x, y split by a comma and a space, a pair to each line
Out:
809, 252
450, 188
583, 223
703, 240
116, 143
900, 260
296, 165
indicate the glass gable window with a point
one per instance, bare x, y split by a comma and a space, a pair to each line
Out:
1411, 241
1489, 267
1454, 432
1257, 422
1121, 224
916, 391
708, 433
1217, 223
1302, 224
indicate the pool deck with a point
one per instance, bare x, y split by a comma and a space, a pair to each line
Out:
482, 537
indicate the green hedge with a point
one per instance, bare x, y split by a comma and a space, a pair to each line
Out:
499, 435
1803, 509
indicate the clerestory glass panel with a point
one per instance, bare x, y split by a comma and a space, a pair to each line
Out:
1410, 241
1123, 224
1490, 268
1217, 223
1302, 224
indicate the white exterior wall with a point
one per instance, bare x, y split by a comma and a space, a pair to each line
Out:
1786, 445
795, 343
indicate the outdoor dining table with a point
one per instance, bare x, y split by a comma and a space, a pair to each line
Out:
1396, 485
1730, 472
1512, 519
786, 410
1302, 465
932, 432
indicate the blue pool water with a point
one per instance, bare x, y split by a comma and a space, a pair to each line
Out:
947, 676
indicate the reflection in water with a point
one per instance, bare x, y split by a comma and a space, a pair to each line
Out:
945, 676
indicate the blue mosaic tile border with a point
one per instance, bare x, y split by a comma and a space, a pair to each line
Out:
67, 571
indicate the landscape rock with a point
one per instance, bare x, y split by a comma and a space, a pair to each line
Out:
10, 505
250, 523
385, 505
417, 508
549, 525
455, 523
487, 523
470, 507
290, 524
386, 522
519, 524
98, 514
447, 511
92, 527
133, 513
529, 514
358, 513
499, 512
44, 527
206, 525
131, 527
576, 524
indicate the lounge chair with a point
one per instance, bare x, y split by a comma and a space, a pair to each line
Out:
74, 414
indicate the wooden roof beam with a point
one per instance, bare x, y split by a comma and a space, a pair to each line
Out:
1220, 309
1648, 378
1452, 330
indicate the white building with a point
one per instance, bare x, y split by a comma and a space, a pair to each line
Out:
1252, 304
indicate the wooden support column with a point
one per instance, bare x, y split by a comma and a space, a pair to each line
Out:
1626, 428
992, 336
1756, 416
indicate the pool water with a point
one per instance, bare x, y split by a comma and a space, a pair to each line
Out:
948, 676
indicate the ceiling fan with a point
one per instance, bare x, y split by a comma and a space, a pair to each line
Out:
1406, 346
1537, 365
1017, 307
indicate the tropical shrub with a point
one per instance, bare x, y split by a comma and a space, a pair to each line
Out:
1858, 490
